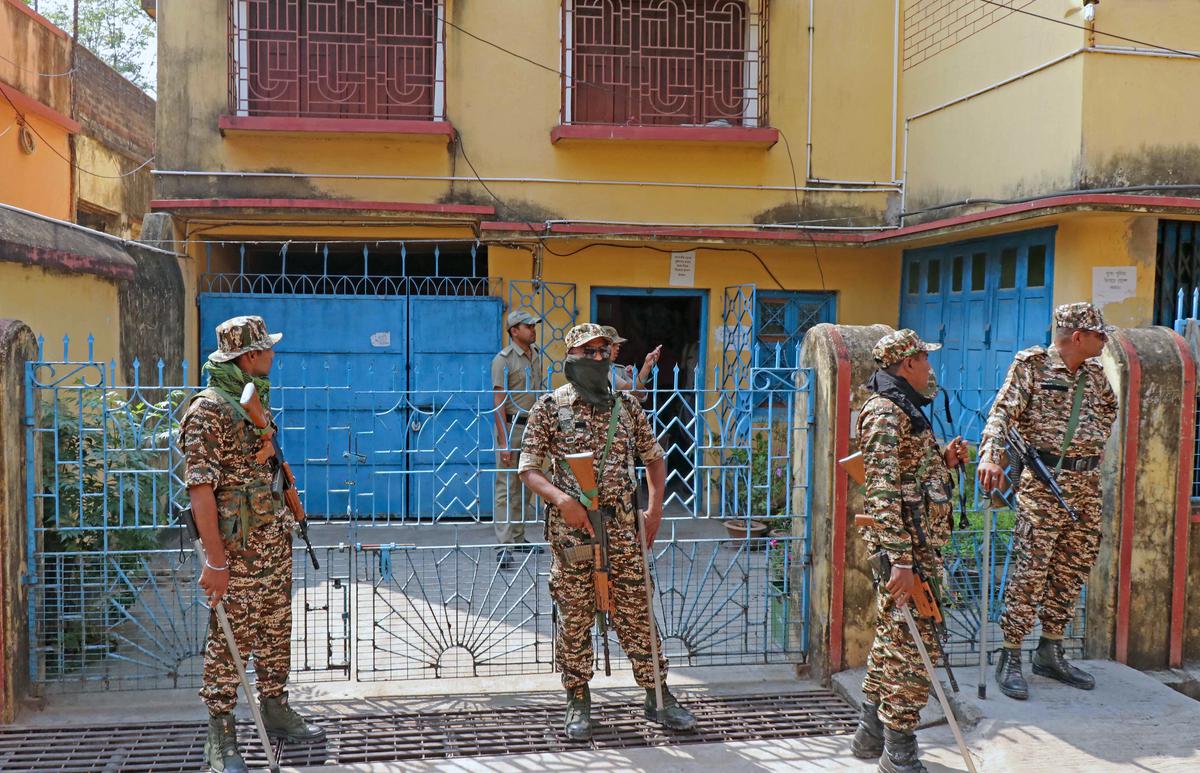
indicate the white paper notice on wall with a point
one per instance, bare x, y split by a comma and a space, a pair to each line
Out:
683, 269
381, 340
1113, 284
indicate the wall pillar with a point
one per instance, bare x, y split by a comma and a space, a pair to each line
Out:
17, 345
842, 594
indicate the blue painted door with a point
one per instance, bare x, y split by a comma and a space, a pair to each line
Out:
983, 300
452, 344
351, 386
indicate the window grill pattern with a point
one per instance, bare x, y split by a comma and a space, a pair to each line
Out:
379, 59
665, 62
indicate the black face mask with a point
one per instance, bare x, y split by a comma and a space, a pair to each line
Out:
900, 392
590, 379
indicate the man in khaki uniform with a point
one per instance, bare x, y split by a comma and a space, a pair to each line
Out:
517, 380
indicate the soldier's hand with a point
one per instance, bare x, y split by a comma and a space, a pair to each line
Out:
956, 452
652, 522
575, 515
901, 584
990, 475
214, 584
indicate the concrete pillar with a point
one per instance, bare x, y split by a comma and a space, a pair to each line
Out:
17, 344
842, 596
1138, 609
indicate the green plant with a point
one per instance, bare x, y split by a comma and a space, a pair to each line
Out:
105, 471
764, 471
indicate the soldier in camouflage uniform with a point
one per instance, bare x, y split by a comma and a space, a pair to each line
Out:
1045, 388
908, 484
246, 530
575, 418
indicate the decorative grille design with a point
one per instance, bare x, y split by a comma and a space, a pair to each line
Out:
382, 59
665, 62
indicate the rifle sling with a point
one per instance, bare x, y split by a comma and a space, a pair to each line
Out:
1073, 422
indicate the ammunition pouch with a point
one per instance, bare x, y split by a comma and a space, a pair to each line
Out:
244, 509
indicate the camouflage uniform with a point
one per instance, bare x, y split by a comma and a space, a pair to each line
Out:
1054, 553
559, 424
219, 448
905, 472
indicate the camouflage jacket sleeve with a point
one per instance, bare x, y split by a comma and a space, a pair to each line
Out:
1011, 401
644, 440
203, 430
535, 445
880, 430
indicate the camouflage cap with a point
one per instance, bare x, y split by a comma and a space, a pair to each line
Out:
614, 336
894, 347
520, 317
581, 334
239, 335
1081, 316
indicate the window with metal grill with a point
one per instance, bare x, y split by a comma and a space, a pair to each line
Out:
665, 62
380, 59
1178, 270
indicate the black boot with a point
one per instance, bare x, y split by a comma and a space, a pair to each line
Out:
1008, 674
578, 725
1048, 660
867, 743
282, 721
221, 746
900, 752
673, 716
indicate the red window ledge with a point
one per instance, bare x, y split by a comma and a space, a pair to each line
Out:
254, 124
753, 137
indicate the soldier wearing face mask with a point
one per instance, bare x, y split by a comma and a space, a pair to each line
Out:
581, 416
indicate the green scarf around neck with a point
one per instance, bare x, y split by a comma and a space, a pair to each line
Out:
230, 379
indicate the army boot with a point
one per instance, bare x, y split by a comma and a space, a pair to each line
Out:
1048, 660
673, 716
867, 743
1008, 674
221, 747
900, 753
282, 721
578, 724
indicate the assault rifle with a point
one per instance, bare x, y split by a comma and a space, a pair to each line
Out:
585, 475
1030, 458
283, 471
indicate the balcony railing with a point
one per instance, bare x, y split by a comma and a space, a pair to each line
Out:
374, 59
665, 62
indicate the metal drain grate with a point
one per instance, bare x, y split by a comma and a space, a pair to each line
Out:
391, 737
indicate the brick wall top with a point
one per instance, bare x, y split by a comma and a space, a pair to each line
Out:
112, 109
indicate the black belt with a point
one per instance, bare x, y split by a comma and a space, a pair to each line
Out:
1070, 463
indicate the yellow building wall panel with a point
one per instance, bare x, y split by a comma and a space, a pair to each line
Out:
1084, 242
56, 304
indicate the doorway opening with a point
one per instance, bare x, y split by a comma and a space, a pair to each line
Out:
675, 319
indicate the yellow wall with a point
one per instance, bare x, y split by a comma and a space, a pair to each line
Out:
505, 109
1087, 241
54, 304
859, 302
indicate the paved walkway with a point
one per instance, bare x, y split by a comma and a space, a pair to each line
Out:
1131, 722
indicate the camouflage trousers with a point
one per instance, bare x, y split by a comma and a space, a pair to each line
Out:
573, 592
896, 678
259, 605
1053, 554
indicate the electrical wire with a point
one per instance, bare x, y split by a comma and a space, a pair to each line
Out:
62, 74
1093, 30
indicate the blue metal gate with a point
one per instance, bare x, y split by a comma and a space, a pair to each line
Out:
409, 586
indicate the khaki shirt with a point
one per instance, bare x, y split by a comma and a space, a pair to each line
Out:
519, 377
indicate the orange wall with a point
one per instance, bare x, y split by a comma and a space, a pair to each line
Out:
39, 181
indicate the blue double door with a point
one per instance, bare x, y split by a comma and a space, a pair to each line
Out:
983, 300
383, 403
